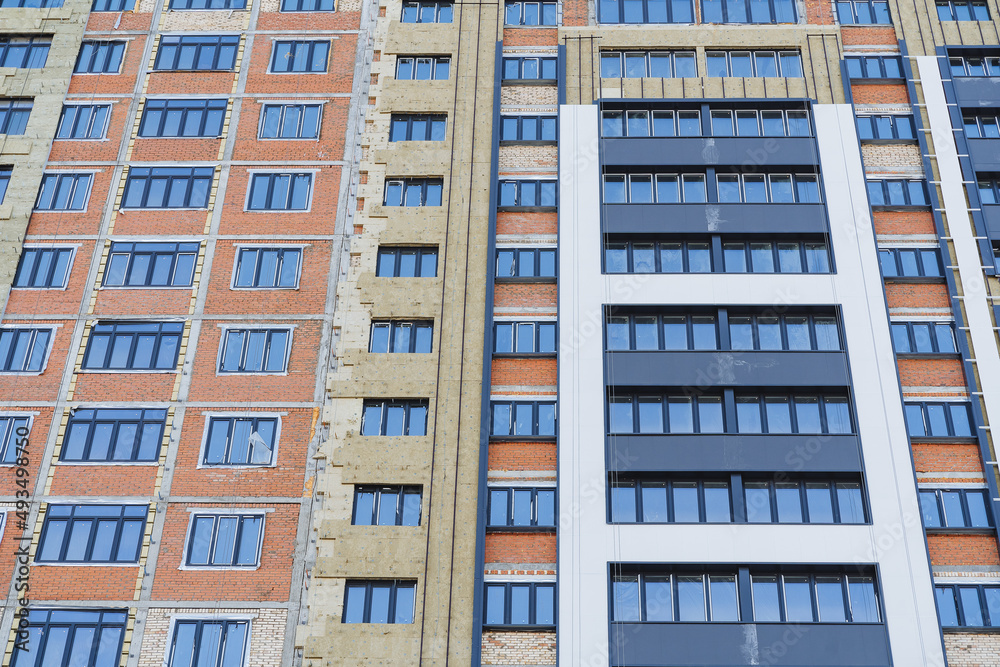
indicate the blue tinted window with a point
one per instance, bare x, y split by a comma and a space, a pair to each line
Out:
379, 601
139, 346
280, 192
43, 267
225, 540
307, 5
427, 12
151, 264
196, 52
254, 350
241, 441
91, 638
290, 121
63, 192
299, 56
30, 52
14, 113
100, 58
92, 534
218, 643
167, 187
182, 118
113, 435
23, 350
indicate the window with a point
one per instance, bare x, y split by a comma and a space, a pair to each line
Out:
241, 441
783, 332
92, 534
151, 264
654, 189
107, 435
662, 332
959, 10
923, 338
417, 127
939, 420
530, 13
696, 257
423, 68
863, 12
874, 67
982, 126
662, 414
642, 123
168, 187
666, 501
526, 263
748, 11
24, 349
646, 11
527, 193
897, 192
394, 417
968, 605
208, 4
279, 192
99, 58
215, 642
83, 121
14, 113
529, 69
183, 118
86, 637
521, 507
779, 414
290, 121
955, 508
751, 123
13, 431
407, 263
255, 351
885, 128
267, 268
989, 193
113, 6
30, 4
413, 192
401, 337
523, 418
379, 601
910, 262
5, 173
768, 188
528, 128
659, 257
975, 65
699, 332
221, 540
519, 604
307, 5
299, 56
386, 506
754, 63
656, 64
43, 267
133, 346
772, 501
24, 51
766, 257
427, 12
676, 597
524, 338
63, 191
196, 52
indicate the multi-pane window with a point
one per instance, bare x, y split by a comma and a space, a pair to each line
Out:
99, 58
526, 192
386, 506
982, 126
255, 351
92, 534
646, 11
662, 332
208, 4
23, 349
886, 127
752, 123
659, 257
428, 11
675, 597
417, 127
133, 346
939, 420
183, 118
64, 191
43, 267
768, 188
863, 12
413, 192
14, 113
531, 68
768, 257
168, 187
526, 263
299, 56
379, 601
5, 173
910, 262
522, 418
521, 507
974, 65
241, 441
519, 604
923, 338
423, 68
407, 263
754, 63
307, 5
83, 121
394, 417
113, 435
770, 501
401, 337
656, 64
519, 12
670, 501
112, 5
989, 191
31, 4
30, 52
748, 11
793, 414
290, 121
524, 337
225, 540
528, 128
696, 257
955, 508
267, 267
898, 192
783, 332
969, 606
699, 332
962, 10
874, 67
13, 431
654, 188
196, 52
642, 123
72, 637
279, 192
665, 414
152, 264
219, 643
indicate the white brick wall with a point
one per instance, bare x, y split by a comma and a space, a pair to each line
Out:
267, 634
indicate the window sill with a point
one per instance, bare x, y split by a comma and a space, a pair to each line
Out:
520, 529
958, 530
109, 463
970, 628
877, 80
943, 439
159, 371
889, 142
927, 355
522, 438
527, 209
544, 27
529, 142
519, 628
913, 279
529, 82
525, 355
530, 279
865, 25
889, 207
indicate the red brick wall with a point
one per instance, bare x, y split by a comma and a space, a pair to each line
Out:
520, 548
522, 456
524, 372
963, 550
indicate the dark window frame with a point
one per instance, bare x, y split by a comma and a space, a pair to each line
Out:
901, 129
968, 10
242, 520
166, 334
188, 5
671, 56
270, 181
245, 334
317, 6
211, 109
515, 257
197, 635
313, 49
874, 11
860, 68
36, 50
614, 12
782, 59
232, 423
546, 13
775, 10
926, 260
77, 125
14, 115
507, 592
989, 613
14, 431
103, 647
430, 192
546, 194
974, 66
536, 426
952, 431
408, 68
36, 349
428, 11
221, 45
115, 418
397, 253
543, 65
943, 520
283, 255
411, 409
183, 257
300, 124
112, 6
522, 122
934, 334
127, 514
394, 327
392, 612
400, 513
434, 126
54, 277
880, 195
145, 178
112, 51
536, 337
76, 199
510, 494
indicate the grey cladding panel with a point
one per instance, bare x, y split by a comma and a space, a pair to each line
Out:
739, 369
714, 218
974, 91
700, 151
985, 154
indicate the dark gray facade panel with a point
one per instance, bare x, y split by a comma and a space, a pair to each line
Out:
698, 151
991, 214
977, 92
731, 369
714, 219
985, 154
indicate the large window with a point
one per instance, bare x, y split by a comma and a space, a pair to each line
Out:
643, 123
290, 121
183, 118
874, 67
397, 262
225, 540
754, 63
417, 127
662, 332
654, 189
83, 121
401, 337
196, 52
379, 601
923, 338
526, 262
394, 417
768, 188
219, 643
100, 58
112, 435
72, 637
64, 191
898, 192
968, 605
112, 6
14, 113
307, 5
939, 420
670, 501
793, 414
24, 349
981, 126
526, 193
5, 173
962, 10
656, 64
299, 56
530, 68
386, 506
974, 65
519, 604
524, 337
752, 123
31, 4
770, 501
748, 11
884, 128
255, 350
783, 332
955, 508
699, 332
523, 418
241, 441
664, 414
413, 192
910, 262
427, 11
521, 507
989, 191
13, 433
43, 267
151, 264
273, 268
646, 11
133, 346
863, 12
280, 192
528, 128
92, 534
208, 4
696, 257
168, 187
520, 12
423, 68
31, 52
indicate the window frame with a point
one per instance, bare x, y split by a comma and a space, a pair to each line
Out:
170, 6
753, 55
864, 64
894, 119
430, 121
9, 442
919, 255
72, 627
532, 585
405, 184
419, 7
911, 337
538, 253
121, 519
748, 8
184, 106
199, 41
240, 514
971, 5
401, 491
539, 119
906, 185
78, 176
391, 610
873, 13
293, 45
94, 43
521, 5
435, 63
57, 248
113, 440
944, 520
512, 404
33, 41
270, 176
113, 333
282, 249
540, 185
151, 267
516, 324
13, 108
102, 130
288, 329
540, 80
668, 54
321, 105
149, 174
408, 405
397, 253
394, 326
200, 621
283, 8
604, 8
126, 6
212, 418
949, 422
960, 615
509, 489
32, 342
